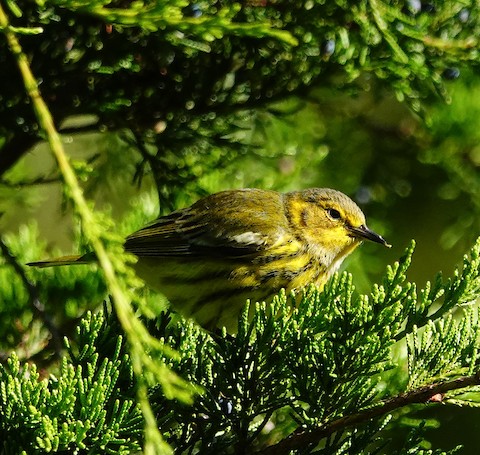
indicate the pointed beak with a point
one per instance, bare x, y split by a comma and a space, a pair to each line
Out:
363, 232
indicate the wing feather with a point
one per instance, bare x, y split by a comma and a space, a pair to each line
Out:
228, 224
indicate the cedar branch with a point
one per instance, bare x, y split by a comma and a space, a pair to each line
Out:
301, 438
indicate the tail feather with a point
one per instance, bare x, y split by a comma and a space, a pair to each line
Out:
64, 260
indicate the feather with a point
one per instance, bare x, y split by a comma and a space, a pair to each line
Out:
65, 260
228, 224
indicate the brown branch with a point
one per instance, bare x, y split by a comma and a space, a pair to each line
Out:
302, 438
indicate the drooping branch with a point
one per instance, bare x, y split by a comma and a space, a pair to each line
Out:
115, 269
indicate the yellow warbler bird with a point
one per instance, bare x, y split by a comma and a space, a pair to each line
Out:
209, 258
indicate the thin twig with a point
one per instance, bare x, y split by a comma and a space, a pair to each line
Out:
91, 227
303, 438
147, 157
33, 297
42, 180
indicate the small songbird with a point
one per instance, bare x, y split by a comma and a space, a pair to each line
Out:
209, 258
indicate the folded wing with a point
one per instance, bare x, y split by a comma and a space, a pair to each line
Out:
229, 224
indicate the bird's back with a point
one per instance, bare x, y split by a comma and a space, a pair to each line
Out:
208, 259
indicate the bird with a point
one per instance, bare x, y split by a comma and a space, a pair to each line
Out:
234, 245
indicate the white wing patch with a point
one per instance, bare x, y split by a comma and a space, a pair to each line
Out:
250, 238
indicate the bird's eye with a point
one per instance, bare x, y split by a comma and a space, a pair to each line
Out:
334, 214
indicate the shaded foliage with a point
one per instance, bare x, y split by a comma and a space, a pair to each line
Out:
183, 94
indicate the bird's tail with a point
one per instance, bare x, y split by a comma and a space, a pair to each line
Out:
64, 260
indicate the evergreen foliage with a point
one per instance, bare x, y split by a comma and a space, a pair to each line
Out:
317, 368
185, 85
88, 405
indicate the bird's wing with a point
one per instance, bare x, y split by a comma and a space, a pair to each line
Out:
228, 224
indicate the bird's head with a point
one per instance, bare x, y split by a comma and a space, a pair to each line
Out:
330, 223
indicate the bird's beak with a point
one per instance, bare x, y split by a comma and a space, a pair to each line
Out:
363, 232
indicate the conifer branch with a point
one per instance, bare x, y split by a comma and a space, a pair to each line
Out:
113, 268
424, 394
